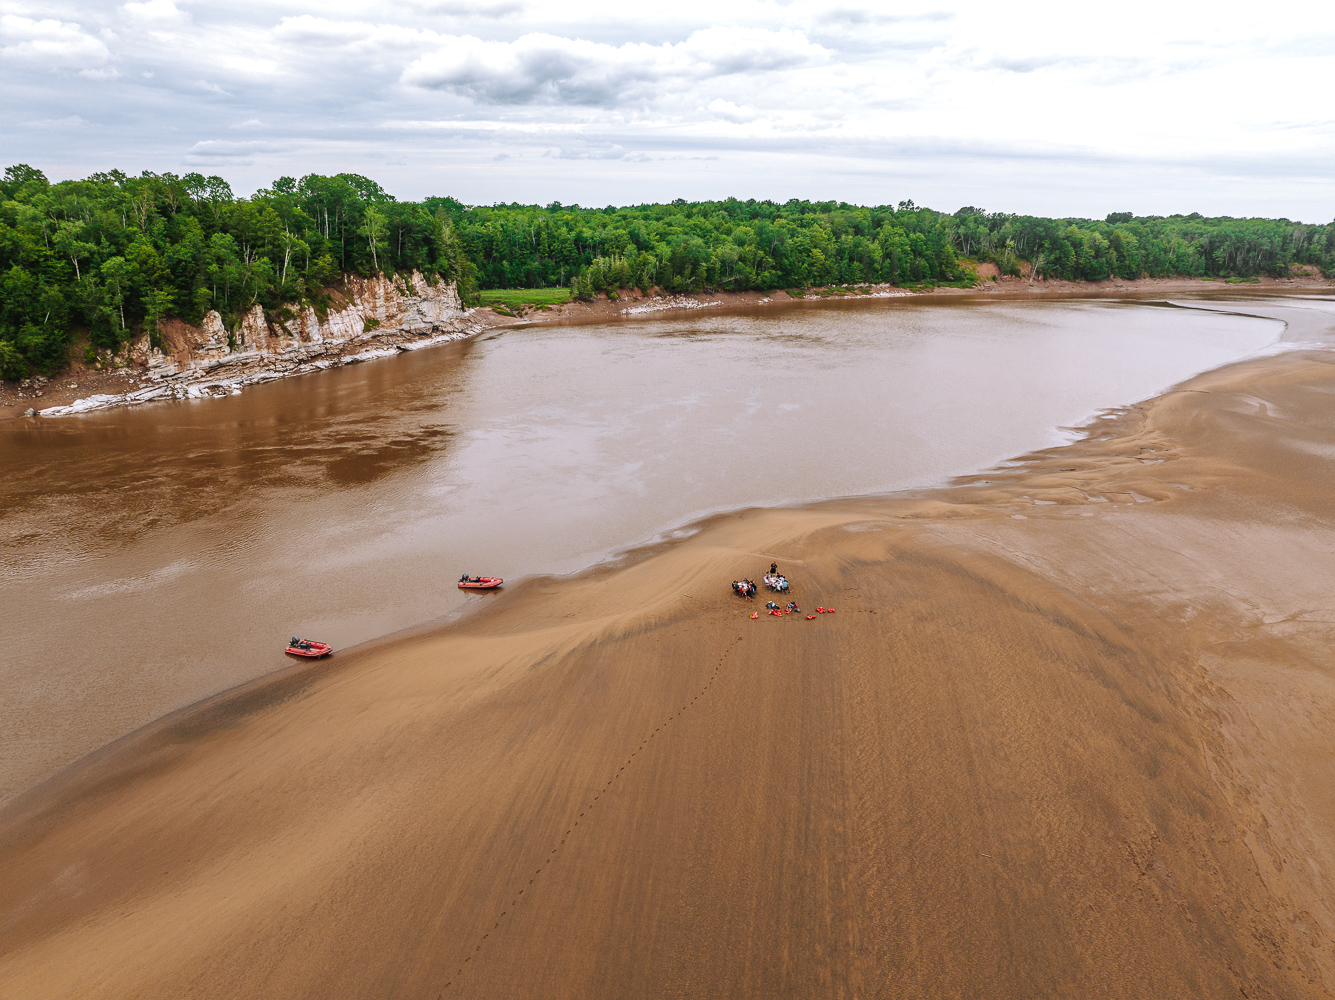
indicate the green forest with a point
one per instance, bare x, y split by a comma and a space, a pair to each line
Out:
108, 257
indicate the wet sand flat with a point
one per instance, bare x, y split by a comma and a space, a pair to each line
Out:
1068, 734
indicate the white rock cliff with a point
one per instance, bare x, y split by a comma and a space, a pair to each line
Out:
365, 308
369, 318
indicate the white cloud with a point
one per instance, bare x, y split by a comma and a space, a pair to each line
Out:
50, 43
155, 11
307, 29
306, 37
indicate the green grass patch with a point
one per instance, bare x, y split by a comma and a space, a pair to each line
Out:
927, 286
1242, 281
513, 298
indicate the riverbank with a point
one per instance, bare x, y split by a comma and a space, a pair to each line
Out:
86, 388
1068, 732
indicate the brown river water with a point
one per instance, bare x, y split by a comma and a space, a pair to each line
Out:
152, 556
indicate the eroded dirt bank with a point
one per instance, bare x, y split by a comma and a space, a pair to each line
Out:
1068, 733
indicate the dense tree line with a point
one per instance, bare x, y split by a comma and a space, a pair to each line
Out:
114, 254
736, 245
1128, 246
703, 246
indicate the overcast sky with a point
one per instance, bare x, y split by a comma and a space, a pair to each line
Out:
1047, 108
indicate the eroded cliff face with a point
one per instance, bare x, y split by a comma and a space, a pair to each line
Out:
364, 309
369, 318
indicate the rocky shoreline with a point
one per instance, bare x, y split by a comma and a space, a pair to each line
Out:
367, 318
252, 368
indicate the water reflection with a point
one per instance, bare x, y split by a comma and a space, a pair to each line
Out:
108, 477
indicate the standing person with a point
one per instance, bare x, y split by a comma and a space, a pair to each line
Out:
774, 569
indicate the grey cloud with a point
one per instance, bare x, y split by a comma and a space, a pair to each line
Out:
549, 69
544, 74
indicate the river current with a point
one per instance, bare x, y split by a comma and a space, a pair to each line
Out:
152, 556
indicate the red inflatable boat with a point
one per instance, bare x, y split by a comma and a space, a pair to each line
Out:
480, 582
308, 647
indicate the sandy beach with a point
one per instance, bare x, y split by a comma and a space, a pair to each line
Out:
1069, 733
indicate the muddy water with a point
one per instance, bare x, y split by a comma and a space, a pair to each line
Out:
155, 555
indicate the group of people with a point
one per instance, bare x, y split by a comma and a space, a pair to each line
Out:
774, 580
